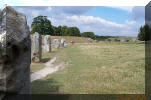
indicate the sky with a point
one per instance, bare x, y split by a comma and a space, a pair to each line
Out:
102, 20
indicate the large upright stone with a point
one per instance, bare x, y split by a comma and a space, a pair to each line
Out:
133, 39
148, 51
90, 40
55, 43
63, 42
122, 40
47, 43
36, 47
15, 53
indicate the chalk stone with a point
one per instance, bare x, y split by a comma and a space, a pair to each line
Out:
122, 40
133, 39
55, 43
47, 43
36, 47
15, 53
90, 40
63, 42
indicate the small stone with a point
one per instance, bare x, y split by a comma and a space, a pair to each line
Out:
55, 43
122, 40
133, 39
47, 43
63, 42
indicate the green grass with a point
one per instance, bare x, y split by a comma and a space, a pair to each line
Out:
45, 58
106, 68
36, 66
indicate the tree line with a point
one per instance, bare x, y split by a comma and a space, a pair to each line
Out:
43, 26
144, 33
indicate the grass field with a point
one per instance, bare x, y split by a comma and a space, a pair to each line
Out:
102, 68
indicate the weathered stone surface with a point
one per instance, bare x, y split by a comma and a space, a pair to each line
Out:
47, 44
108, 40
90, 40
97, 41
133, 39
63, 42
122, 40
15, 53
36, 47
55, 43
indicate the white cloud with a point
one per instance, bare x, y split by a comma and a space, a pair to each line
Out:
99, 26
75, 10
32, 12
125, 8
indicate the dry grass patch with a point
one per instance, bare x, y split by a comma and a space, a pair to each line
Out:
108, 68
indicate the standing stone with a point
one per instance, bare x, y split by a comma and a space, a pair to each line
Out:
97, 41
122, 40
108, 40
90, 40
47, 43
55, 44
15, 53
63, 42
133, 40
36, 47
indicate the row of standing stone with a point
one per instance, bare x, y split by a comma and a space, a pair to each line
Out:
36, 46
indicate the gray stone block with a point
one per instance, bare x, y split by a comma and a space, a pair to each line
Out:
47, 44
15, 52
36, 47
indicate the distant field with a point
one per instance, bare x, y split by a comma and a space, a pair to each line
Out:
106, 68
71, 38
85, 40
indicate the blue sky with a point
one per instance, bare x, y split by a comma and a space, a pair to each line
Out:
102, 20
110, 14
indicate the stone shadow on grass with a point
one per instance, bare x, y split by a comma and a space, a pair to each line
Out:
48, 86
45, 60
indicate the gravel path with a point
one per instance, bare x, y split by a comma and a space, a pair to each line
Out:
50, 68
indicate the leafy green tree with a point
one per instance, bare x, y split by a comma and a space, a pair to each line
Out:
141, 34
64, 31
57, 31
42, 25
54, 30
88, 34
73, 31
147, 35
